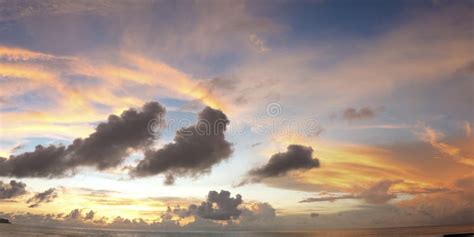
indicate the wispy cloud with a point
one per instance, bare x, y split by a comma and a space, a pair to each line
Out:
434, 137
42, 197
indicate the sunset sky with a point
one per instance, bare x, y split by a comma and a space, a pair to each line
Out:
335, 114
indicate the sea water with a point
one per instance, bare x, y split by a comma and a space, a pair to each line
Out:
23, 230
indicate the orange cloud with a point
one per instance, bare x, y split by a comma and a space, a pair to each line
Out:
18, 54
175, 80
433, 137
350, 167
108, 203
467, 129
147, 72
74, 103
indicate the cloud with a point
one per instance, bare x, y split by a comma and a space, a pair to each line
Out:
68, 106
466, 187
329, 198
256, 144
20, 10
458, 152
42, 162
297, 157
466, 183
33, 73
467, 129
392, 72
90, 215
16, 148
12, 189
106, 148
233, 90
364, 113
81, 217
220, 84
42, 197
121, 222
45, 80
75, 214
386, 57
257, 212
194, 151
149, 73
348, 167
181, 82
220, 206
96, 192
109, 145
220, 211
19, 54
112, 202
442, 208
258, 43
377, 193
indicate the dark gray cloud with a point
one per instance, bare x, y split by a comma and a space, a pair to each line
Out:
12, 189
180, 212
218, 206
350, 114
313, 215
121, 222
169, 179
297, 157
16, 148
194, 151
89, 215
222, 207
107, 147
256, 144
42, 197
42, 162
75, 214
329, 198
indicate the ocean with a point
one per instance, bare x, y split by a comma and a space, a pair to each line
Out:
22, 230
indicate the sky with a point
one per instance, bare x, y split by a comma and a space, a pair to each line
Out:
237, 115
